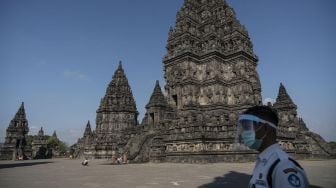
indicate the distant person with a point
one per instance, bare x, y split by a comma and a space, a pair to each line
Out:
125, 160
85, 162
119, 160
257, 128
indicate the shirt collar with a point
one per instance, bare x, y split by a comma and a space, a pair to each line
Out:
266, 154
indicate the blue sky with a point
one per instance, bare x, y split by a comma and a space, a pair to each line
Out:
59, 56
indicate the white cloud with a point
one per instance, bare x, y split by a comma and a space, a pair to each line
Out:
266, 100
74, 75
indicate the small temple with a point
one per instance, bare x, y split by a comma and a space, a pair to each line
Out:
15, 142
17, 145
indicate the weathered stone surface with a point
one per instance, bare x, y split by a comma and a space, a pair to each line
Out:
15, 143
293, 134
115, 122
16, 147
85, 144
39, 146
211, 77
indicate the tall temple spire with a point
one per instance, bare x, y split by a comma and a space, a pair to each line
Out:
157, 98
88, 130
207, 26
283, 99
120, 65
20, 119
54, 134
16, 135
117, 113
88, 126
20, 114
41, 132
118, 95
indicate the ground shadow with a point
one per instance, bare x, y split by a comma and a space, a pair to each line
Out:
12, 165
114, 164
107, 164
230, 180
234, 180
314, 186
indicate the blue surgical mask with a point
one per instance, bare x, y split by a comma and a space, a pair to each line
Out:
250, 140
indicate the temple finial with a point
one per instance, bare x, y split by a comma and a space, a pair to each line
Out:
54, 134
157, 97
88, 124
283, 99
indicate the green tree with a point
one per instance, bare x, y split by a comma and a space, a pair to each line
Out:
29, 140
56, 144
332, 145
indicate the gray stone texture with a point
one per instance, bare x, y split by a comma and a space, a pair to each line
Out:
211, 77
15, 141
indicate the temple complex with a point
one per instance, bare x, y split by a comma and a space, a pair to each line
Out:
17, 146
211, 77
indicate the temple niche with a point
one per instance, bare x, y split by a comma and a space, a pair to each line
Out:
210, 70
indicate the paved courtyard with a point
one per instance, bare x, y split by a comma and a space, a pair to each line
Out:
65, 173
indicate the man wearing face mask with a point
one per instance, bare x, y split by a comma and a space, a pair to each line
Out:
274, 168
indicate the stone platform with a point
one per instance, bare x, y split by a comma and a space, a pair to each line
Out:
65, 173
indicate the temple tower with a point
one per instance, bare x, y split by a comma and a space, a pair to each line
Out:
156, 107
54, 135
287, 113
291, 132
210, 71
88, 131
116, 116
210, 59
16, 133
39, 146
88, 140
288, 122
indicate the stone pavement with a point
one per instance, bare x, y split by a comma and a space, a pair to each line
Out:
59, 173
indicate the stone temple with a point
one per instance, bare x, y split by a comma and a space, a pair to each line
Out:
17, 146
211, 77
16, 133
